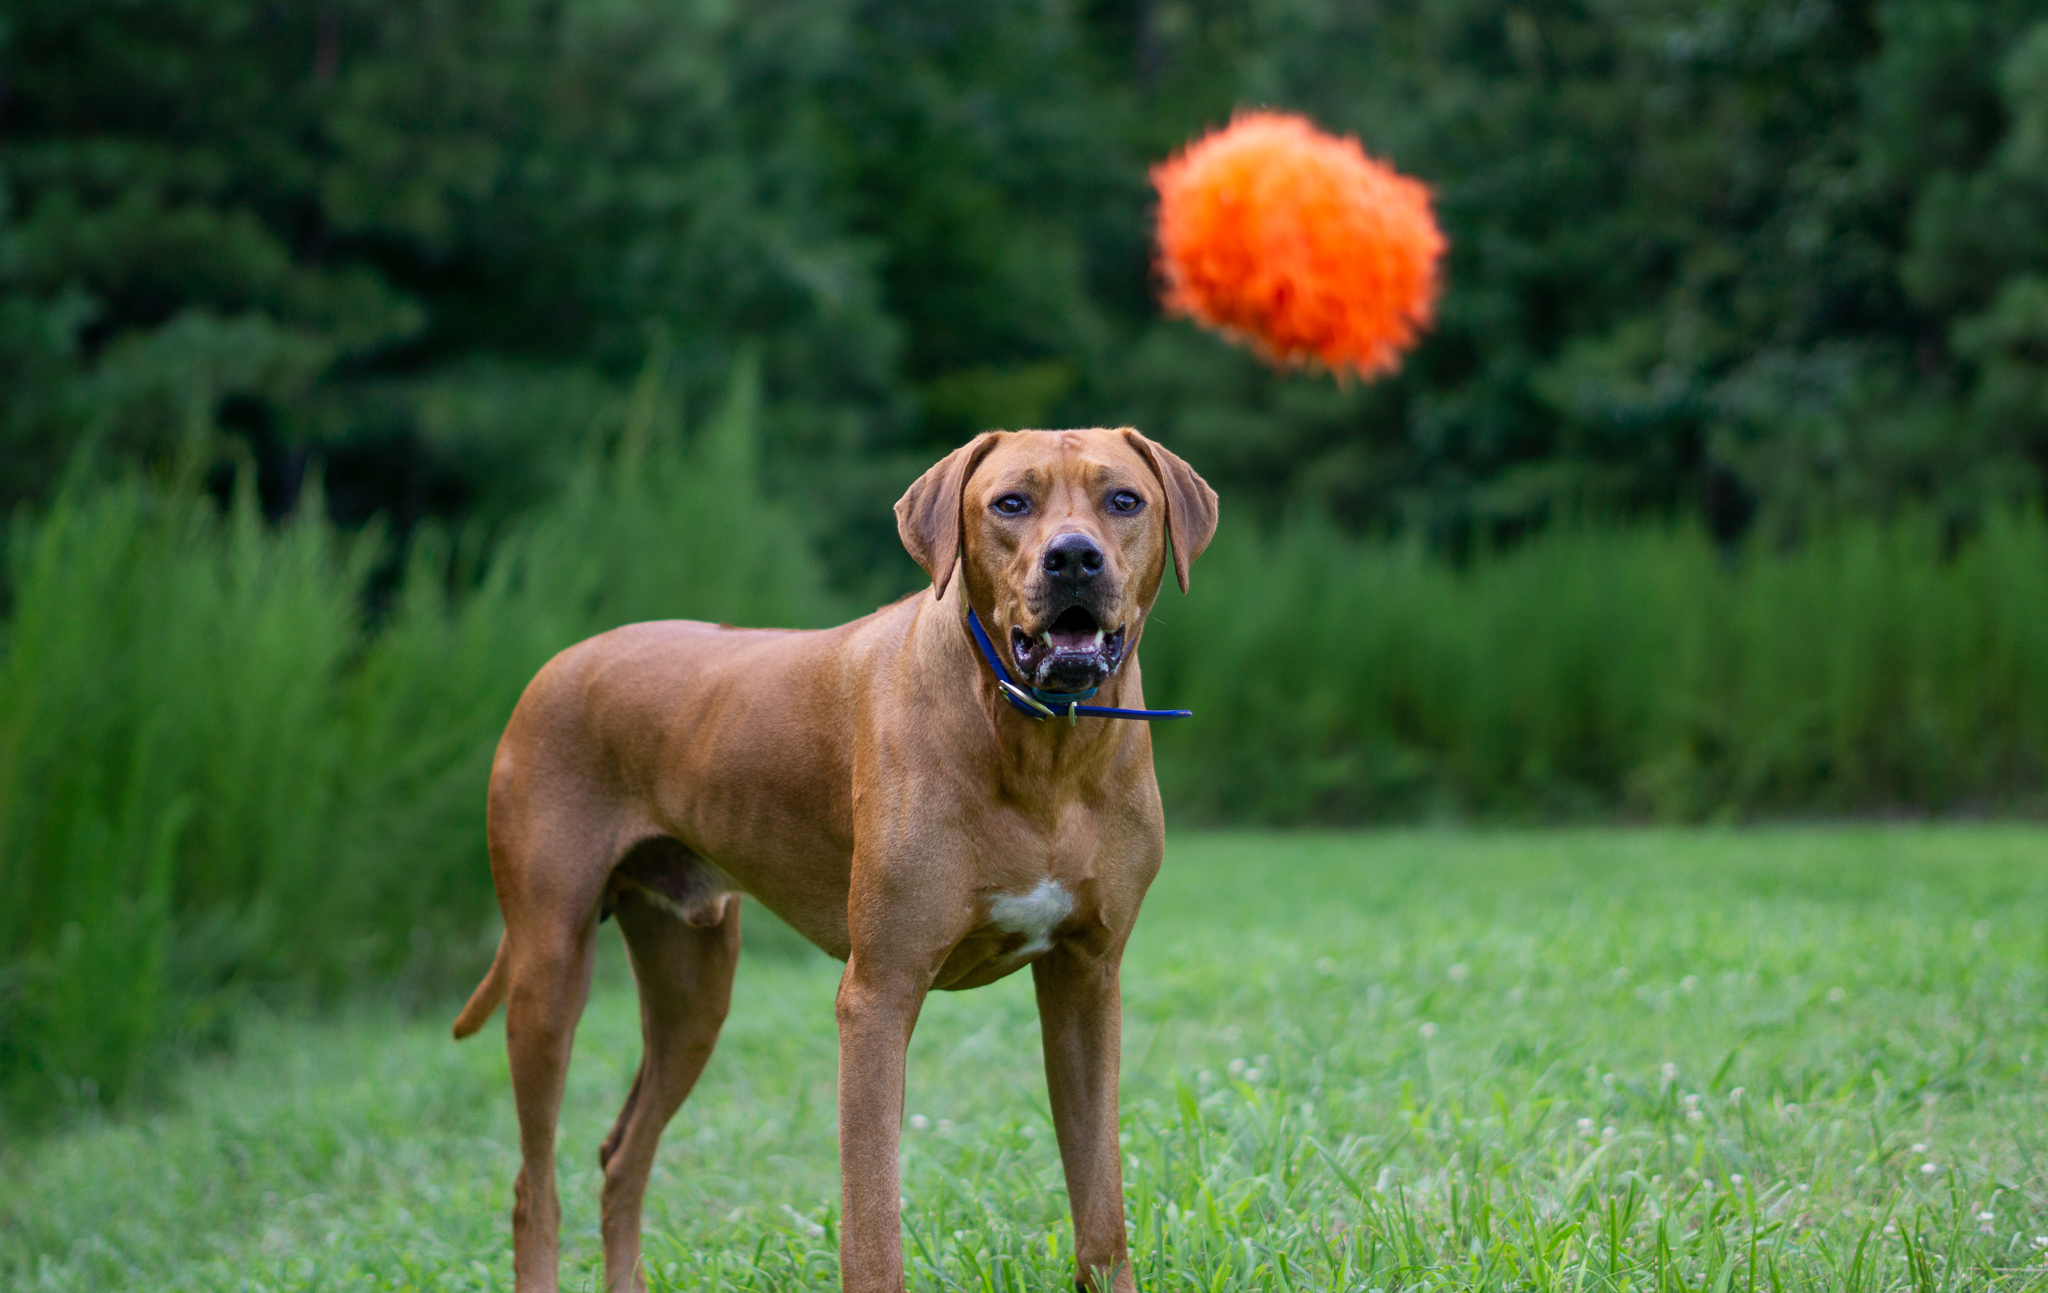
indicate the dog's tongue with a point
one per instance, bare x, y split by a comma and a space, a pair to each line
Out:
1075, 630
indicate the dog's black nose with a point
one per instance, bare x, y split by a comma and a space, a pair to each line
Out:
1073, 559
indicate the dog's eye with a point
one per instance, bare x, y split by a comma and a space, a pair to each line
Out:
1012, 505
1125, 501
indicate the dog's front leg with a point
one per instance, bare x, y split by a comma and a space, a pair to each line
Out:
878, 1007
1080, 1013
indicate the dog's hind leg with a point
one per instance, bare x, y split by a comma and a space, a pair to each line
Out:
550, 934
683, 964
550, 984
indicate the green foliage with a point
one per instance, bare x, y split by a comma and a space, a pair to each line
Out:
1678, 239
170, 757
1599, 670
1658, 1060
320, 225
1764, 259
216, 781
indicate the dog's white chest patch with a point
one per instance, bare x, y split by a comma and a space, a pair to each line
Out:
1035, 915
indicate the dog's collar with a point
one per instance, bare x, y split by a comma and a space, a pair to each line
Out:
1041, 705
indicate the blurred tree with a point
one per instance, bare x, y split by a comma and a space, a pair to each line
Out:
1978, 252
1681, 270
429, 237
1768, 259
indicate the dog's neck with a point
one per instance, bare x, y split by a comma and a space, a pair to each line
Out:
951, 648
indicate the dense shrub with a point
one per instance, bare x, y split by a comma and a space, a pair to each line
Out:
1643, 672
215, 780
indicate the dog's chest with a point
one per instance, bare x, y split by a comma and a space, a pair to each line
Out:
1034, 915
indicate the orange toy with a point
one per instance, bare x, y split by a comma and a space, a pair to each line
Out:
1293, 239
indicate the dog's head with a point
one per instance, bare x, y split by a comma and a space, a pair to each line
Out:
1065, 537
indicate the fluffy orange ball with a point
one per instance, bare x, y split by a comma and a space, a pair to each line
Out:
1275, 232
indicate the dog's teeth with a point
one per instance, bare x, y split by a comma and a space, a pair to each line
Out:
1046, 637
1098, 639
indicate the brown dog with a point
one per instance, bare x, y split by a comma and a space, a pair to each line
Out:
874, 788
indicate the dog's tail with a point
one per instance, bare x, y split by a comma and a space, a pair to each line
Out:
484, 1001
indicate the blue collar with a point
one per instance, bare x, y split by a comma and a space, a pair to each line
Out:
1041, 705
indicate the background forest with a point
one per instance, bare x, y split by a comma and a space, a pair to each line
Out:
354, 357
1760, 261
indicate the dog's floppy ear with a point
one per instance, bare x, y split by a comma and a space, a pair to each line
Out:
1190, 503
928, 514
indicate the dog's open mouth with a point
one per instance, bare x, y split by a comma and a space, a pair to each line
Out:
1073, 653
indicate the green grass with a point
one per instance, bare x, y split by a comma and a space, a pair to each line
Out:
1794, 1058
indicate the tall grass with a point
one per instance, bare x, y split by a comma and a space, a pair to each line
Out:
1638, 672
217, 780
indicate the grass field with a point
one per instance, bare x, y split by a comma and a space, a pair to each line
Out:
1771, 1059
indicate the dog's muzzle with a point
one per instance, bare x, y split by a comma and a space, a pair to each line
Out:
1072, 653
